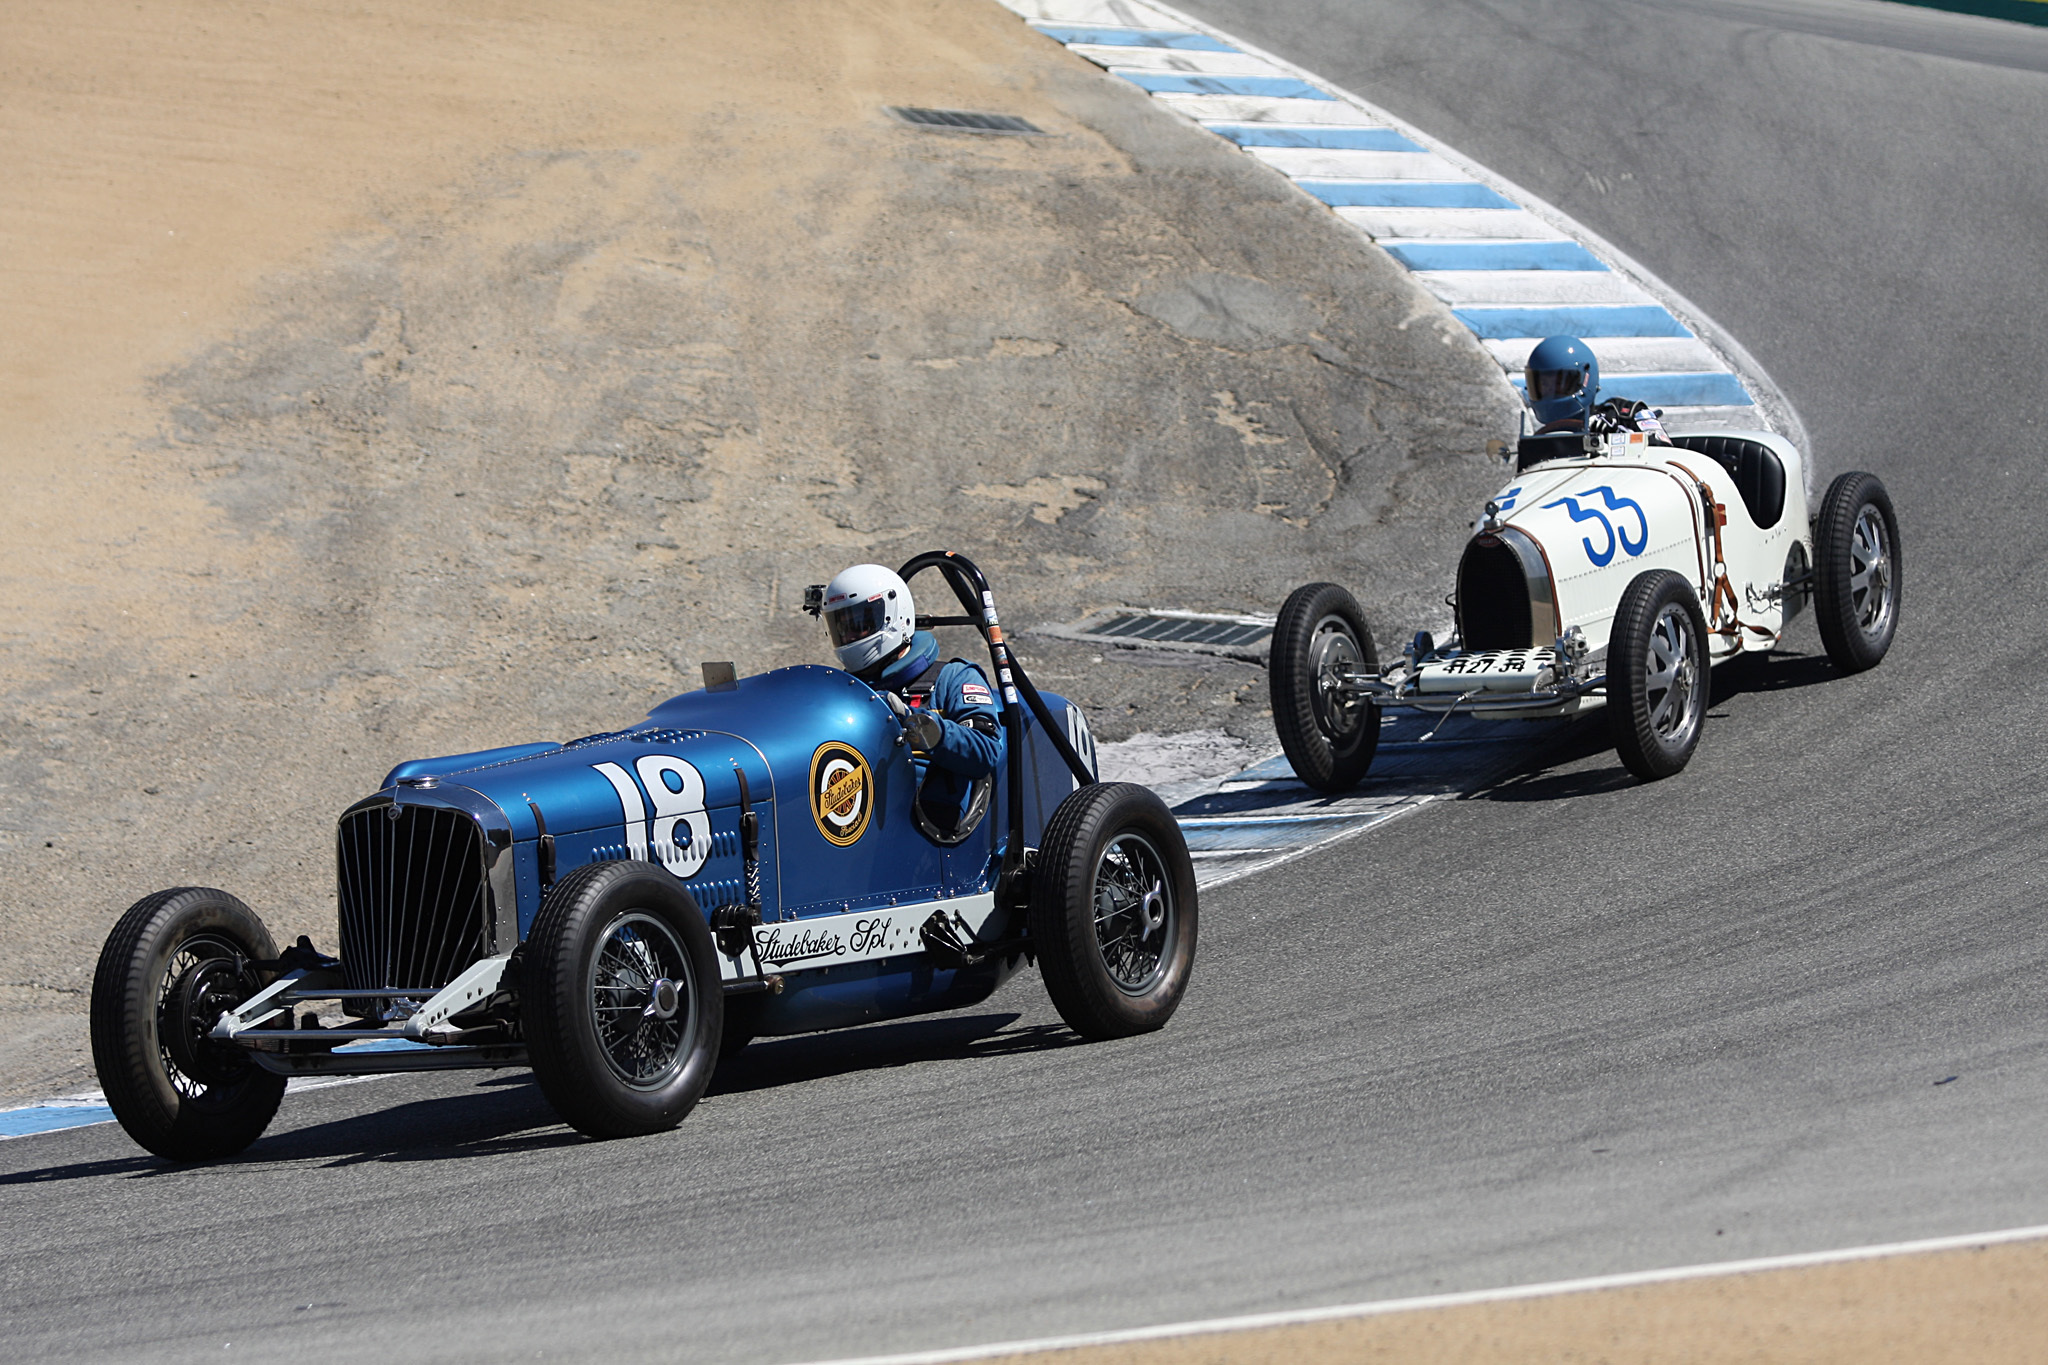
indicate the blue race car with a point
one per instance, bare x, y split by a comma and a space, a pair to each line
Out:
621, 911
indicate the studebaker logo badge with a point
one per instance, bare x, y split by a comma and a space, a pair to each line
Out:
779, 946
842, 792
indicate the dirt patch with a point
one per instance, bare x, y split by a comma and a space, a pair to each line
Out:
1983, 1307
393, 378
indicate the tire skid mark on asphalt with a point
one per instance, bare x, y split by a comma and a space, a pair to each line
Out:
1511, 268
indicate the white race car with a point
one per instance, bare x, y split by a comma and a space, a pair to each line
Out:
1611, 571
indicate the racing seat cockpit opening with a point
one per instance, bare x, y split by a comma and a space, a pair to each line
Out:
1758, 472
1531, 451
977, 603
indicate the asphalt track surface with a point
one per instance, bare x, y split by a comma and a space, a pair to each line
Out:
1569, 1027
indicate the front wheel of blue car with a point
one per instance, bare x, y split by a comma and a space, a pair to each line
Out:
172, 965
621, 999
1113, 913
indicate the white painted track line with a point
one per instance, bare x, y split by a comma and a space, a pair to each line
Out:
1498, 288
1120, 59
1622, 355
1551, 1289
1451, 225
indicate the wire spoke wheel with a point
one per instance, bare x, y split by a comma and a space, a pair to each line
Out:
642, 1001
203, 978
171, 966
1113, 913
621, 998
1133, 912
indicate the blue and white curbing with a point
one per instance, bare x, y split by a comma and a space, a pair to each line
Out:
1512, 268
1243, 819
85, 1110
72, 1111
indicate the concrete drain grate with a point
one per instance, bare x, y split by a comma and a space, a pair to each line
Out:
1230, 637
961, 120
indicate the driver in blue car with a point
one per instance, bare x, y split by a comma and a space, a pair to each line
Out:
1562, 385
950, 713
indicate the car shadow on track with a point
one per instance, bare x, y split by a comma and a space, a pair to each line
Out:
1780, 670
497, 1116
89, 1170
1537, 776
507, 1114
770, 1062
500, 1115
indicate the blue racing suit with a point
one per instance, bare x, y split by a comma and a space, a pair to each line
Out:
969, 711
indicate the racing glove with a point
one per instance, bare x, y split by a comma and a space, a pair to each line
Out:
924, 728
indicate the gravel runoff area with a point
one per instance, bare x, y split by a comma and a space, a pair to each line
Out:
387, 378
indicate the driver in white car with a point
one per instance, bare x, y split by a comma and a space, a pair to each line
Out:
1562, 385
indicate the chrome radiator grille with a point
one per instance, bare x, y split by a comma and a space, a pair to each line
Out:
415, 907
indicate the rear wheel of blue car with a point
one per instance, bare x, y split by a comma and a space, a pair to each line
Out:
172, 965
1113, 913
621, 999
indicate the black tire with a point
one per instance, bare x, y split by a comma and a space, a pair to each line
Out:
1329, 743
1858, 580
742, 1022
1657, 675
1106, 843
608, 935
172, 964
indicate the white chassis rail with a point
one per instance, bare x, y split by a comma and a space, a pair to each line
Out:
264, 1024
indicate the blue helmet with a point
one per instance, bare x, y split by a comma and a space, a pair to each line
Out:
1562, 379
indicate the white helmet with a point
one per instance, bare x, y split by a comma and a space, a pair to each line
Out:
869, 614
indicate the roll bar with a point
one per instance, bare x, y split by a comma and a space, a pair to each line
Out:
971, 587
